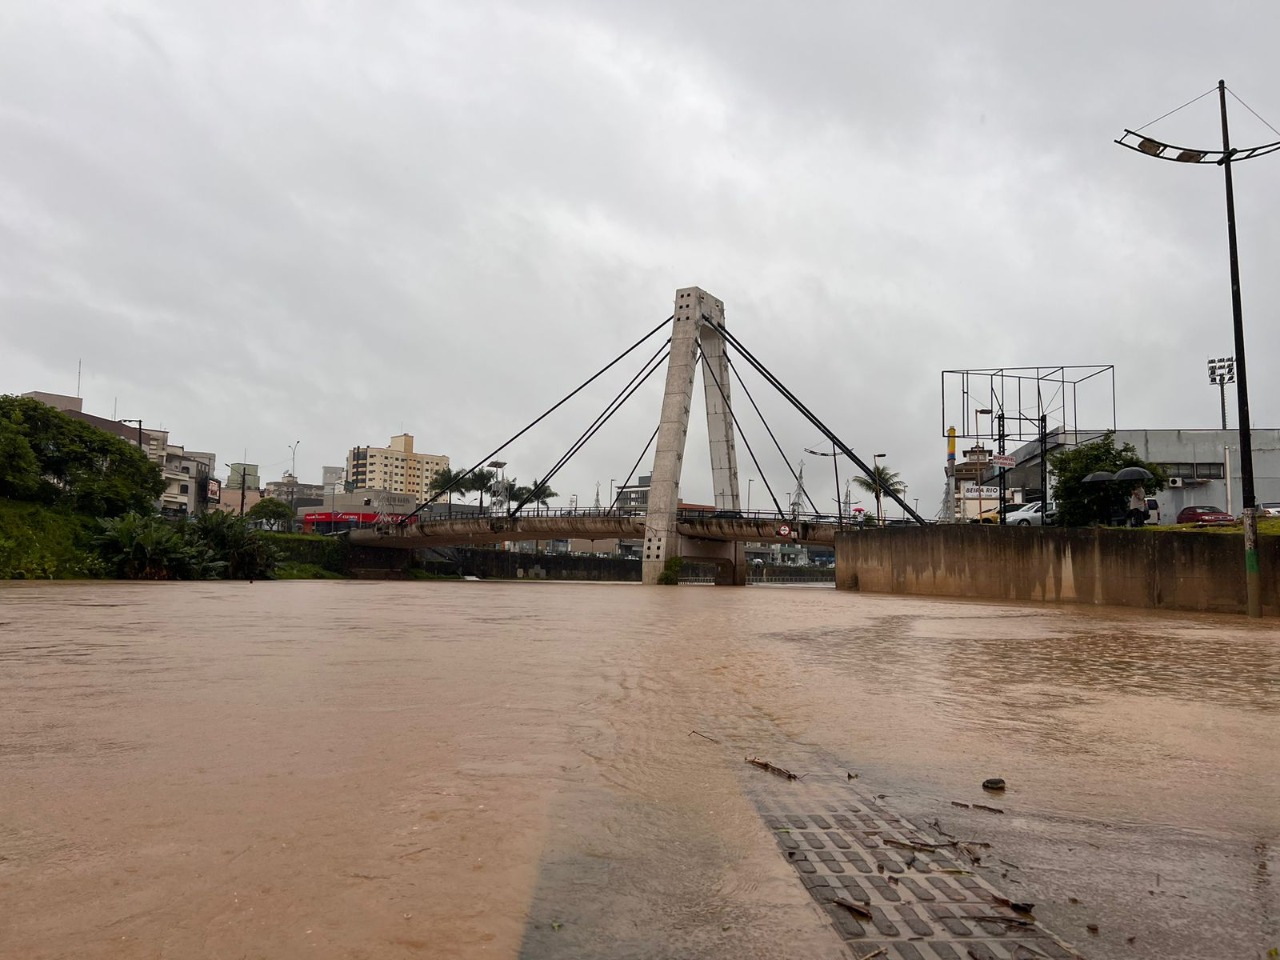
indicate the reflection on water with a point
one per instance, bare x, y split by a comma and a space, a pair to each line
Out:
483, 769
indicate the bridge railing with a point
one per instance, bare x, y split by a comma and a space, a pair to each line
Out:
684, 514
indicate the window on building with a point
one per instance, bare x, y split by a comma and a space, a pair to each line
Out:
183, 487
1209, 471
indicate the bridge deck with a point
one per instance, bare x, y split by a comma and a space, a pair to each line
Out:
465, 531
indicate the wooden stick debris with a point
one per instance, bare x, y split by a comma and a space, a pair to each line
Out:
703, 736
769, 767
862, 913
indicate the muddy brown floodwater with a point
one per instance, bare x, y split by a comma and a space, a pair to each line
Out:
466, 770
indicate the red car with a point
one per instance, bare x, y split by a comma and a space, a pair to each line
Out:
1204, 515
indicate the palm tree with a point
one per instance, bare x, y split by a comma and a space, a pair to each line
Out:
445, 480
544, 493
885, 479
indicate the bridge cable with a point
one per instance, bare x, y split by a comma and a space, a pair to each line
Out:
776, 444
813, 419
654, 363
483, 460
610, 408
635, 466
737, 426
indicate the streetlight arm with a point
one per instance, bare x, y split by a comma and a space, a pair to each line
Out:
1166, 151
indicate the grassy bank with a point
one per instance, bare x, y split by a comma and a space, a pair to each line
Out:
306, 551
39, 543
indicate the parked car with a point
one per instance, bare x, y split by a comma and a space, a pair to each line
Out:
1269, 509
993, 515
1203, 514
1031, 515
1153, 512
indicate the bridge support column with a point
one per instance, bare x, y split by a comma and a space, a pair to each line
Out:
697, 317
729, 556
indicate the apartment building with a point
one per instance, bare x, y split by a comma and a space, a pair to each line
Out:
395, 468
187, 473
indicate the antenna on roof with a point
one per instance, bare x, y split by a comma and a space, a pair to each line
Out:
79, 363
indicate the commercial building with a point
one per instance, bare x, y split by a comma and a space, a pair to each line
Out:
974, 491
395, 468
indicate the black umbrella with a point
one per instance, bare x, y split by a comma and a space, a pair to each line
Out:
1133, 473
1101, 476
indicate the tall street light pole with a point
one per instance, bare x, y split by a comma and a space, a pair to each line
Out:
1221, 372
293, 483
1226, 158
879, 483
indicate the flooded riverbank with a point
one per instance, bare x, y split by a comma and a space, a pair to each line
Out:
476, 769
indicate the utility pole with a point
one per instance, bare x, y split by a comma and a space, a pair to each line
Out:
139, 423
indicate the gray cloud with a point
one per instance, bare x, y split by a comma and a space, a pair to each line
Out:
326, 221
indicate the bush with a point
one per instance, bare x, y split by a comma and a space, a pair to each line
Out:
330, 553
40, 543
305, 571
670, 575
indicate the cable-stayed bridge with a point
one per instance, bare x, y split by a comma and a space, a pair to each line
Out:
699, 337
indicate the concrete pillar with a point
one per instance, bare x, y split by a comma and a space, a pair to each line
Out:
715, 387
661, 539
698, 316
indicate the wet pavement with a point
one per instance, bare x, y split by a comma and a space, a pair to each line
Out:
559, 770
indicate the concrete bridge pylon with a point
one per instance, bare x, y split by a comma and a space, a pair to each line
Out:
697, 320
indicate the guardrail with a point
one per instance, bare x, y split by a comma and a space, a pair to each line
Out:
684, 514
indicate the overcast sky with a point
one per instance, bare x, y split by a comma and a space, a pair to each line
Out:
260, 223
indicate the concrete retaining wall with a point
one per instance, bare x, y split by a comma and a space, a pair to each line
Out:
1131, 568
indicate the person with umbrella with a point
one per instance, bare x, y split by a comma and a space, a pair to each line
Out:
1138, 497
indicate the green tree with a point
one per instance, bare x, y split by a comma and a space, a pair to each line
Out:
272, 513
481, 482
19, 471
451, 481
1081, 504
885, 479
79, 466
478, 481
148, 547
520, 491
247, 553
